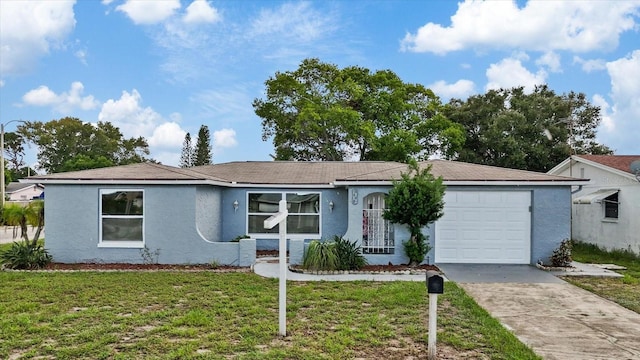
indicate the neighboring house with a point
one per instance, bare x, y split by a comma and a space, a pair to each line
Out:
606, 210
492, 215
22, 192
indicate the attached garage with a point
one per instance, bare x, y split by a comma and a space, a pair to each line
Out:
491, 227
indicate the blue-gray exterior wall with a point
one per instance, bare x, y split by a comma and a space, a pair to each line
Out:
182, 225
550, 220
194, 224
235, 221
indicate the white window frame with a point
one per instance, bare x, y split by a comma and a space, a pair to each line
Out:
117, 243
283, 195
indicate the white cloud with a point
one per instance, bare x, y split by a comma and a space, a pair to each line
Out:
200, 11
578, 26
224, 138
64, 102
607, 123
510, 73
145, 12
1, 83
167, 135
30, 29
133, 120
461, 89
590, 65
293, 21
621, 127
82, 56
551, 61
127, 114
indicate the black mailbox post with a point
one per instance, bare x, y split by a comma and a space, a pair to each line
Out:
435, 282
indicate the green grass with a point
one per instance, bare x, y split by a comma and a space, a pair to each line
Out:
624, 291
205, 315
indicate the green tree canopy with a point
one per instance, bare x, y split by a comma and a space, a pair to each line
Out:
322, 112
71, 144
187, 156
535, 131
416, 200
202, 152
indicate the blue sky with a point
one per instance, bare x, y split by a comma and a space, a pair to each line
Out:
162, 68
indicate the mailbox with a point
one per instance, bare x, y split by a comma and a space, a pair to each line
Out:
435, 282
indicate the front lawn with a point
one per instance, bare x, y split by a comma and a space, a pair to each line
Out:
182, 315
624, 291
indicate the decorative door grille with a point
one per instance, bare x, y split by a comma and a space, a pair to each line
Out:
377, 233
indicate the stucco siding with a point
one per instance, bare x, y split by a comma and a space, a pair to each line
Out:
588, 221
170, 234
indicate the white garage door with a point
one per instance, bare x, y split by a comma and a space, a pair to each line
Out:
490, 227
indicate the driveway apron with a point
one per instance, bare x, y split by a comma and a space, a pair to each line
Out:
556, 319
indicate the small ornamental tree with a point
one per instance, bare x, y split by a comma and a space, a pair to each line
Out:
416, 201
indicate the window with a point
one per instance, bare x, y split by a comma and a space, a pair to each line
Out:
304, 212
121, 218
611, 206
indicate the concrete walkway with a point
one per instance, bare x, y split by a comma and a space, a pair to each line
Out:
269, 267
556, 319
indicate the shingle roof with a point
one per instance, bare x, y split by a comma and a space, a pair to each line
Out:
300, 173
140, 171
16, 186
618, 162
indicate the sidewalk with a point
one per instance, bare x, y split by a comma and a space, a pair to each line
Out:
7, 234
269, 267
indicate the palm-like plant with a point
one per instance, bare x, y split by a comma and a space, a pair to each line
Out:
28, 254
18, 215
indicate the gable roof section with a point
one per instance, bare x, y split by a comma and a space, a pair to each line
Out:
16, 186
297, 173
618, 162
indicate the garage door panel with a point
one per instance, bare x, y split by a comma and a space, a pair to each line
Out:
484, 227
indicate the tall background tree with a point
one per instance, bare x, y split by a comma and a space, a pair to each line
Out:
187, 155
202, 152
322, 112
70, 144
535, 131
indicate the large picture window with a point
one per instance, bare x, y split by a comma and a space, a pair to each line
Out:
304, 212
121, 218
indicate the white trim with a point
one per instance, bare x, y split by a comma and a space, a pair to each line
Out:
577, 159
177, 182
308, 186
571, 182
118, 243
283, 197
122, 244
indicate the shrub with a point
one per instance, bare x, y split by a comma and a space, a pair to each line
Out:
320, 256
561, 256
24, 255
349, 254
417, 250
337, 254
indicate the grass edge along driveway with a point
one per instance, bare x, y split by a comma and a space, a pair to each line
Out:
204, 315
626, 290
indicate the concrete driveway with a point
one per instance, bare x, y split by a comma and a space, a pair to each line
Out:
556, 319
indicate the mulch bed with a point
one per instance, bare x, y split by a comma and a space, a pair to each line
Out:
143, 267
